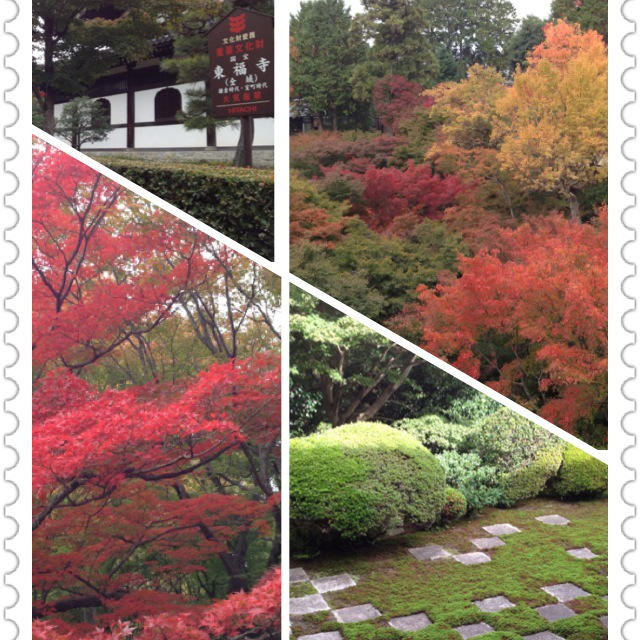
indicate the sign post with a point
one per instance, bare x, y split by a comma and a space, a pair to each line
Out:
241, 70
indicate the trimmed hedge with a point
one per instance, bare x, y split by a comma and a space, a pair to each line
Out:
580, 476
355, 482
434, 432
235, 201
455, 506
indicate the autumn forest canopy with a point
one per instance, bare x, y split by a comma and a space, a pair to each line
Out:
449, 180
156, 421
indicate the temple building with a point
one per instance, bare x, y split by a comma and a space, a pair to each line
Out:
143, 102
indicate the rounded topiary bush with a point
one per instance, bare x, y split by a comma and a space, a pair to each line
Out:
455, 505
580, 476
434, 432
355, 482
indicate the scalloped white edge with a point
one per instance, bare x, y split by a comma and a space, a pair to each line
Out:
624, 292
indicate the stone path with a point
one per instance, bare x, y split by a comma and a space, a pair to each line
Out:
564, 592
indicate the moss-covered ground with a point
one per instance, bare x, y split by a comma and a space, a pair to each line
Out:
397, 584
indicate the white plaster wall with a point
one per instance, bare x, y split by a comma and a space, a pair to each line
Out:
145, 100
169, 136
116, 139
227, 135
118, 108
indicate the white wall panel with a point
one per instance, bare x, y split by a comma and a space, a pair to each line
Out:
169, 136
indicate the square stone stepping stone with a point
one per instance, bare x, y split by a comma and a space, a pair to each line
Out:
359, 613
474, 630
543, 635
553, 612
410, 623
493, 605
501, 529
582, 554
554, 519
605, 621
327, 635
565, 592
307, 604
333, 583
430, 552
475, 557
487, 543
298, 575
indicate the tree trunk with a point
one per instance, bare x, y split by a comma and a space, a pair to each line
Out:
239, 159
334, 118
574, 206
49, 118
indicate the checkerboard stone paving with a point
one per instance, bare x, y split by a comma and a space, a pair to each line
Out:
327, 635
493, 605
565, 592
474, 630
501, 529
333, 583
582, 554
553, 612
543, 635
298, 575
487, 543
307, 604
554, 520
359, 613
475, 557
429, 552
415, 622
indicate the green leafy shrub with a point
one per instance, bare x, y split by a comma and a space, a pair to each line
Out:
455, 505
355, 482
580, 476
434, 432
479, 483
531, 479
235, 201
468, 410
508, 440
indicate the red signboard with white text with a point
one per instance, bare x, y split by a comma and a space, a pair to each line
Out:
241, 65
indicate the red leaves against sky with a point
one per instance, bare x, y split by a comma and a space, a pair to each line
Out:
121, 513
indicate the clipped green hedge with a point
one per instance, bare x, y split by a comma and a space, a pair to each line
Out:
355, 482
236, 201
580, 476
434, 432
455, 505
530, 480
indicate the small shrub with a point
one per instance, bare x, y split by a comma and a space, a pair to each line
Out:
479, 483
353, 483
580, 476
455, 505
434, 432
235, 201
530, 480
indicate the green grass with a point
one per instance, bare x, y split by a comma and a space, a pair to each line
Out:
396, 584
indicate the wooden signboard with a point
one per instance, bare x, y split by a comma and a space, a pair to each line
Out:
241, 65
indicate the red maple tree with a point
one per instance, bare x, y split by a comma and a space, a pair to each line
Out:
137, 490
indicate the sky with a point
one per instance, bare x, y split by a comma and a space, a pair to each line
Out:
540, 8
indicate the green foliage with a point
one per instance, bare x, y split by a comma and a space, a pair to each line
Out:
434, 432
508, 440
455, 506
589, 14
378, 273
529, 480
395, 29
83, 120
471, 32
528, 35
470, 407
323, 57
580, 476
235, 201
477, 481
355, 482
